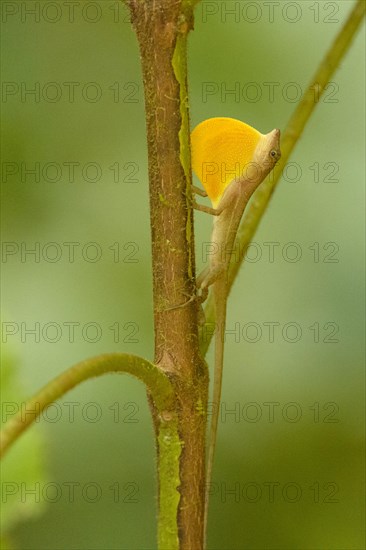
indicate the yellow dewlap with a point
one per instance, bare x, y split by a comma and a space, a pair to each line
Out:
221, 149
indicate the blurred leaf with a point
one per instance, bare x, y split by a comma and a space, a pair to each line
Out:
23, 468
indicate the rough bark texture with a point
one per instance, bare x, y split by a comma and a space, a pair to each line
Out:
159, 26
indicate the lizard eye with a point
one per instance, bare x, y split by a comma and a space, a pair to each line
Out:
273, 153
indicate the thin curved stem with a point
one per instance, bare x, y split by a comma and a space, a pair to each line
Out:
292, 134
155, 379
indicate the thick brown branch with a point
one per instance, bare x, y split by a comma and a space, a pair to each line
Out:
161, 27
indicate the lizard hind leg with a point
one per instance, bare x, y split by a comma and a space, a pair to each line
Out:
202, 296
204, 280
209, 275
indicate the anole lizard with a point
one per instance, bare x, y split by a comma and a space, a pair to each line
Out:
223, 148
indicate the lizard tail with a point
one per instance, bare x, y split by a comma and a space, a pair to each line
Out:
219, 289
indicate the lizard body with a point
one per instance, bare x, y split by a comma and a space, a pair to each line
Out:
218, 144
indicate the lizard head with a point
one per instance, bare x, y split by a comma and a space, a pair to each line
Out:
268, 152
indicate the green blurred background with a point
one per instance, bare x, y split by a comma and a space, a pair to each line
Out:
289, 467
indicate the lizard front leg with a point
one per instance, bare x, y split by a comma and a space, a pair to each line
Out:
206, 209
199, 191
